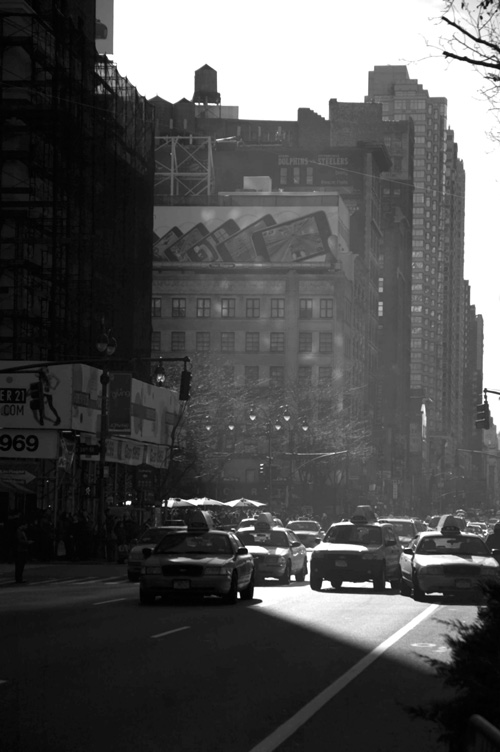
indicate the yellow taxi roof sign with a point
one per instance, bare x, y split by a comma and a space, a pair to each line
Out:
264, 522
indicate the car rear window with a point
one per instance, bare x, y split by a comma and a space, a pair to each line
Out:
364, 535
195, 543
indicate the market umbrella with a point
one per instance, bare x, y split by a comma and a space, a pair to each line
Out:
176, 502
206, 502
236, 503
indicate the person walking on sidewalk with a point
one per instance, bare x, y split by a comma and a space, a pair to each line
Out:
22, 550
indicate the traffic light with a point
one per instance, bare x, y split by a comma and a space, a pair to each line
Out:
483, 415
185, 385
262, 469
37, 399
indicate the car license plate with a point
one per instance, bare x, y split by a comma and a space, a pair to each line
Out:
463, 584
340, 563
182, 584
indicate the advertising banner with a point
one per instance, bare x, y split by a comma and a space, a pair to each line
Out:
277, 233
119, 392
41, 399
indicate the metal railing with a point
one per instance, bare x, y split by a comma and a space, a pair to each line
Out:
482, 736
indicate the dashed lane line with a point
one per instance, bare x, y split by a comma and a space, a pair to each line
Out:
171, 631
115, 600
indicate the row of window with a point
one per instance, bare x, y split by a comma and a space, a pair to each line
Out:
253, 375
226, 308
204, 341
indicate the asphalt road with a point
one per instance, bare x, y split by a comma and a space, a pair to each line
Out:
85, 668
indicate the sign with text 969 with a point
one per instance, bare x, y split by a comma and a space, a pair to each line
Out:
28, 444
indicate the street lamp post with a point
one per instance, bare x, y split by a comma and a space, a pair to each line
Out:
283, 414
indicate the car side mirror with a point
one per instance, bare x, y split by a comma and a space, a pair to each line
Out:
407, 551
242, 551
146, 552
495, 552
295, 544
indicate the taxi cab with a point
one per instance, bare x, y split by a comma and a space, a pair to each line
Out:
357, 550
148, 539
277, 551
448, 561
197, 561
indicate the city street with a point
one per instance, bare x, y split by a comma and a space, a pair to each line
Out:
85, 668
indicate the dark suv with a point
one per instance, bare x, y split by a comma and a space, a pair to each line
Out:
357, 550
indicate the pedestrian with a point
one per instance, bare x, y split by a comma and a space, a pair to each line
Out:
493, 539
22, 551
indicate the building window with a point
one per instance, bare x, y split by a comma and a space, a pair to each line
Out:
305, 375
156, 308
277, 308
227, 341
178, 341
156, 341
324, 375
203, 308
252, 342
326, 308
277, 376
228, 307
251, 375
277, 342
203, 341
178, 308
305, 342
305, 308
380, 308
253, 308
326, 342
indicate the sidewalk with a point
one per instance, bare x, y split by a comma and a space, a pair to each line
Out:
8, 568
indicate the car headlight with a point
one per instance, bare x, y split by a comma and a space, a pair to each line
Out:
431, 570
490, 571
217, 570
151, 570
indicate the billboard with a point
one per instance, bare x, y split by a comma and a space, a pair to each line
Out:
270, 232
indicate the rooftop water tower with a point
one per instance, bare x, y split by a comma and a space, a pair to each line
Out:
206, 96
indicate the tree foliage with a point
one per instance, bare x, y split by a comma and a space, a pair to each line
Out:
473, 37
205, 444
473, 673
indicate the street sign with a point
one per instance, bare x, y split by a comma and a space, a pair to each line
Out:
89, 449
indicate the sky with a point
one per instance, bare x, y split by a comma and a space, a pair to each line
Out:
273, 58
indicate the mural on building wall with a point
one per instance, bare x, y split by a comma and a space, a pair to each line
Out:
246, 234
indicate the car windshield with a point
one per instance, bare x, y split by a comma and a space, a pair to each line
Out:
209, 543
154, 535
303, 525
364, 535
272, 539
407, 529
459, 545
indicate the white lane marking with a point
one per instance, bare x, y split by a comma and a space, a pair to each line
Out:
288, 728
164, 634
115, 600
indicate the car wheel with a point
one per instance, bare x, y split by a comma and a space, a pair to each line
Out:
405, 587
316, 581
146, 599
418, 593
247, 593
232, 596
285, 578
301, 576
337, 584
379, 579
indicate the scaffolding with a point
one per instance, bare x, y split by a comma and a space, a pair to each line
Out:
77, 192
183, 168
